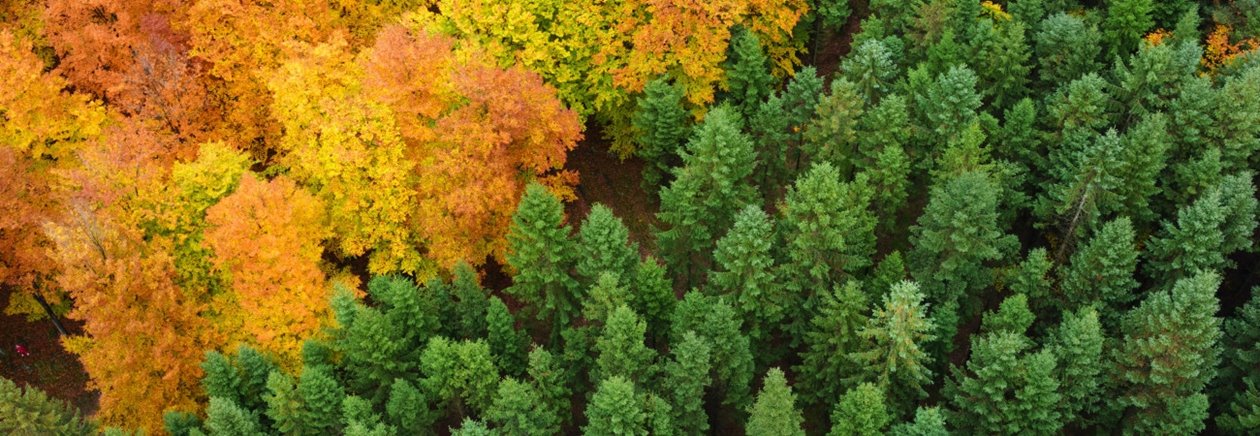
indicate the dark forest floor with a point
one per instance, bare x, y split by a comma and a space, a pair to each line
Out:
49, 366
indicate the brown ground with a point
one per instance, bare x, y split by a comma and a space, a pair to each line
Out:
607, 179
49, 367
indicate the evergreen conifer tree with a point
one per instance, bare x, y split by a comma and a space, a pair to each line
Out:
662, 124
775, 413
615, 409
604, 247
540, 251
860, 412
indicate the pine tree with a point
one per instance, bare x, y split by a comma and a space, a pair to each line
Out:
507, 344
775, 413
1126, 22
620, 348
1169, 353
1101, 271
28, 410
1193, 243
748, 76
861, 411
1005, 389
518, 409
891, 354
604, 247
686, 376
891, 270
1077, 344
661, 123
710, 187
831, 136
831, 335
540, 251
615, 409
714, 320
829, 234
745, 275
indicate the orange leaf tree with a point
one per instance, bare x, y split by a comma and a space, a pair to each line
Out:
143, 336
43, 128
267, 236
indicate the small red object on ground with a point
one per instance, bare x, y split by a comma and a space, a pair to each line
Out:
21, 350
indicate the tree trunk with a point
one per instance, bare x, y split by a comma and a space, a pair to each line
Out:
52, 316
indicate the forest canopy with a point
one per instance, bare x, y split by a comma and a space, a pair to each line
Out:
914, 217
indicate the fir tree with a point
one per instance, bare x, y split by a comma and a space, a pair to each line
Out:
407, 409
714, 320
861, 411
1192, 243
748, 76
830, 235
891, 353
831, 136
831, 335
518, 409
606, 296
507, 344
1005, 389
1101, 271
1169, 353
469, 303
775, 413
710, 187
548, 380
949, 104
686, 376
1012, 316
956, 237
28, 410
745, 275
927, 422
615, 409
620, 348
224, 417
1002, 62
604, 247
872, 68
653, 296
459, 376
540, 251
1126, 22
1077, 344
1237, 126
1240, 373
661, 123
321, 401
